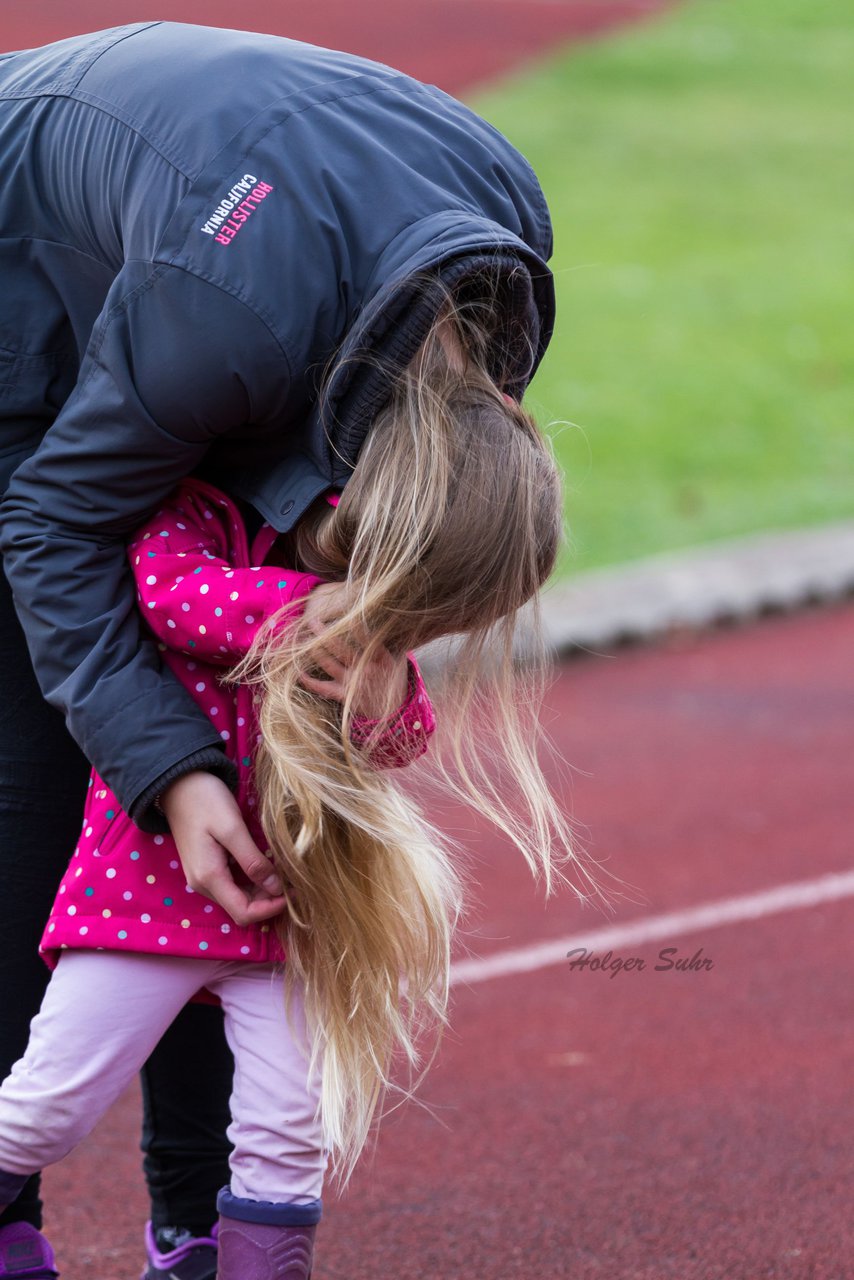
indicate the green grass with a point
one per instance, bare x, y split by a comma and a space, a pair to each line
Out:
699, 171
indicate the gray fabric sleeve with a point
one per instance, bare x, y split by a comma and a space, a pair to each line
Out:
173, 363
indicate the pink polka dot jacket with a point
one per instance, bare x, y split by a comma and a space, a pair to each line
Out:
204, 593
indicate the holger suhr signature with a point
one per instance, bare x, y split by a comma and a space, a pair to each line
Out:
580, 958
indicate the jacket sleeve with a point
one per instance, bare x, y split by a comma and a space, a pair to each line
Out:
173, 363
194, 600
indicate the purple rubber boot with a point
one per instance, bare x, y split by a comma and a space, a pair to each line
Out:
263, 1241
25, 1254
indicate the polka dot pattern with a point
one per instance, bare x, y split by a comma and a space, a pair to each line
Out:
125, 889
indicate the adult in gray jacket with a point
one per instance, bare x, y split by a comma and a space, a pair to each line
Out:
194, 222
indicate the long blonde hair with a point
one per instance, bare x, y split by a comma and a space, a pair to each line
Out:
449, 524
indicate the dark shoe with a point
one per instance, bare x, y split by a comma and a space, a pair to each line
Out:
189, 1258
25, 1254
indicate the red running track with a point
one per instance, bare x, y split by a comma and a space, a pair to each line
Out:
655, 1125
452, 43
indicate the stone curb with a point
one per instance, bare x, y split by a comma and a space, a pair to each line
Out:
729, 581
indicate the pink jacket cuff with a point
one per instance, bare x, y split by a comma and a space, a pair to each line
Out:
404, 734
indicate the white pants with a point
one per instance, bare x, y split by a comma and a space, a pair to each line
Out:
102, 1015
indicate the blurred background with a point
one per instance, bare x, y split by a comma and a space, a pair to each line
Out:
697, 161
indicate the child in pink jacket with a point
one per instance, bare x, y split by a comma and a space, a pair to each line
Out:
205, 593
449, 523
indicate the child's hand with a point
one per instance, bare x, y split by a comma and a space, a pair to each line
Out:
388, 673
207, 827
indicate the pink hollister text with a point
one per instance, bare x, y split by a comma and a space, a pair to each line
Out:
242, 213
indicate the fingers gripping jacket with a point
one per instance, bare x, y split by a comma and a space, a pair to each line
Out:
259, 1241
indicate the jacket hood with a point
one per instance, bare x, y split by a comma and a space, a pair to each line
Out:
405, 294
402, 309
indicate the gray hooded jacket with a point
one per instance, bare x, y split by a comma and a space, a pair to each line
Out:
192, 221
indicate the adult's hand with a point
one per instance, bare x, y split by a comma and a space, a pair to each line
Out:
208, 826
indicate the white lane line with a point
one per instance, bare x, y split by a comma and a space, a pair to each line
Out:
711, 915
